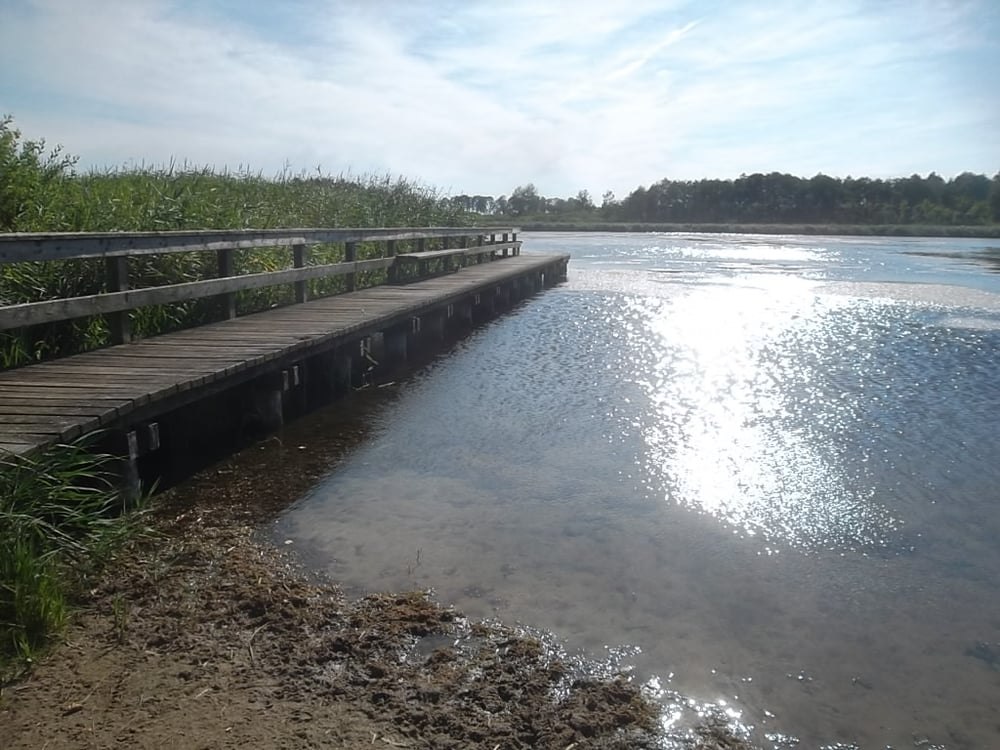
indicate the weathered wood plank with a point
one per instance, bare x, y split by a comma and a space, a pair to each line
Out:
69, 409
11, 447
119, 372
431, 254
34, 389
64, 428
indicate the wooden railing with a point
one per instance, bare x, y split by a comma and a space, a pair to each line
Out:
404, 253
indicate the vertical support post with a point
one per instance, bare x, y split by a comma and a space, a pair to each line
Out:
272, 408
435, 326
131, 481
299, 254
351, 255
343, 371
445, 244
225, 262
396, 346
390, 252
117, 275
514, 250
505, 236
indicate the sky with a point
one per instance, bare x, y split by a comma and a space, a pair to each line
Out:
480, 97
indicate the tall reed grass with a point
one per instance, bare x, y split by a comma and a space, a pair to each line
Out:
61, 520
41, 191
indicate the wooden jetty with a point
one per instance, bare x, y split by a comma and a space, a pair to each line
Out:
401, 289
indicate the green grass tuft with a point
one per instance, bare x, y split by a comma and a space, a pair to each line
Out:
61, 520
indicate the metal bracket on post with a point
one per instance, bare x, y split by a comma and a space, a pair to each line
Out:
290, 378
149, 437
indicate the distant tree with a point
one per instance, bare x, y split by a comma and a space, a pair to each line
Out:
994, 198
584, 201
771, 198
483, 204
524, 200
965, 193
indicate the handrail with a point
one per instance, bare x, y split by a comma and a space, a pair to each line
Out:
117, 247
18, 247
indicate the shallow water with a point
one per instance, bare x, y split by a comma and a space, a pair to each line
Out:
769, 463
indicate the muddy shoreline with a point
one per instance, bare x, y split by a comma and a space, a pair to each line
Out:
208, 635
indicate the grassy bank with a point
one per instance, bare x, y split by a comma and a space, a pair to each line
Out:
40, 191
61, 519
850, 230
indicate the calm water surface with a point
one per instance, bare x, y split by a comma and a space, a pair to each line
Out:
767, 465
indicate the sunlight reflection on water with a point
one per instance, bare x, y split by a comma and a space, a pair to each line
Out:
723, 374
777, 481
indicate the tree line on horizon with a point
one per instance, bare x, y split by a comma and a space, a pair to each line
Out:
966, 200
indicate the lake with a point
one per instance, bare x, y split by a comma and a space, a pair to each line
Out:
762, 472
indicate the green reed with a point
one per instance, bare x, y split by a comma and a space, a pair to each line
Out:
40, 191
61, 519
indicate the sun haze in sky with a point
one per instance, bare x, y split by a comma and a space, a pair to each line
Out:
477, 97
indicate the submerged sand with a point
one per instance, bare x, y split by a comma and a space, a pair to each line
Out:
206, 635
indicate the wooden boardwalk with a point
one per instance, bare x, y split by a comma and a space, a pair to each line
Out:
111, 388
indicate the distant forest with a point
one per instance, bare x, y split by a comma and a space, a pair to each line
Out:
966, 200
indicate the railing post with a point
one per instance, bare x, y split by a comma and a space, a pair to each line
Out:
225, 263
445, 245
390, 252
505, 236
514, 250
118, 322
299, 261
422, 264
351, 255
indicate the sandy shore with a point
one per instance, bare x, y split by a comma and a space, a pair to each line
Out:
208, 636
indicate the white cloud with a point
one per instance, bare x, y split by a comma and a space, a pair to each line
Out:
477, 98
